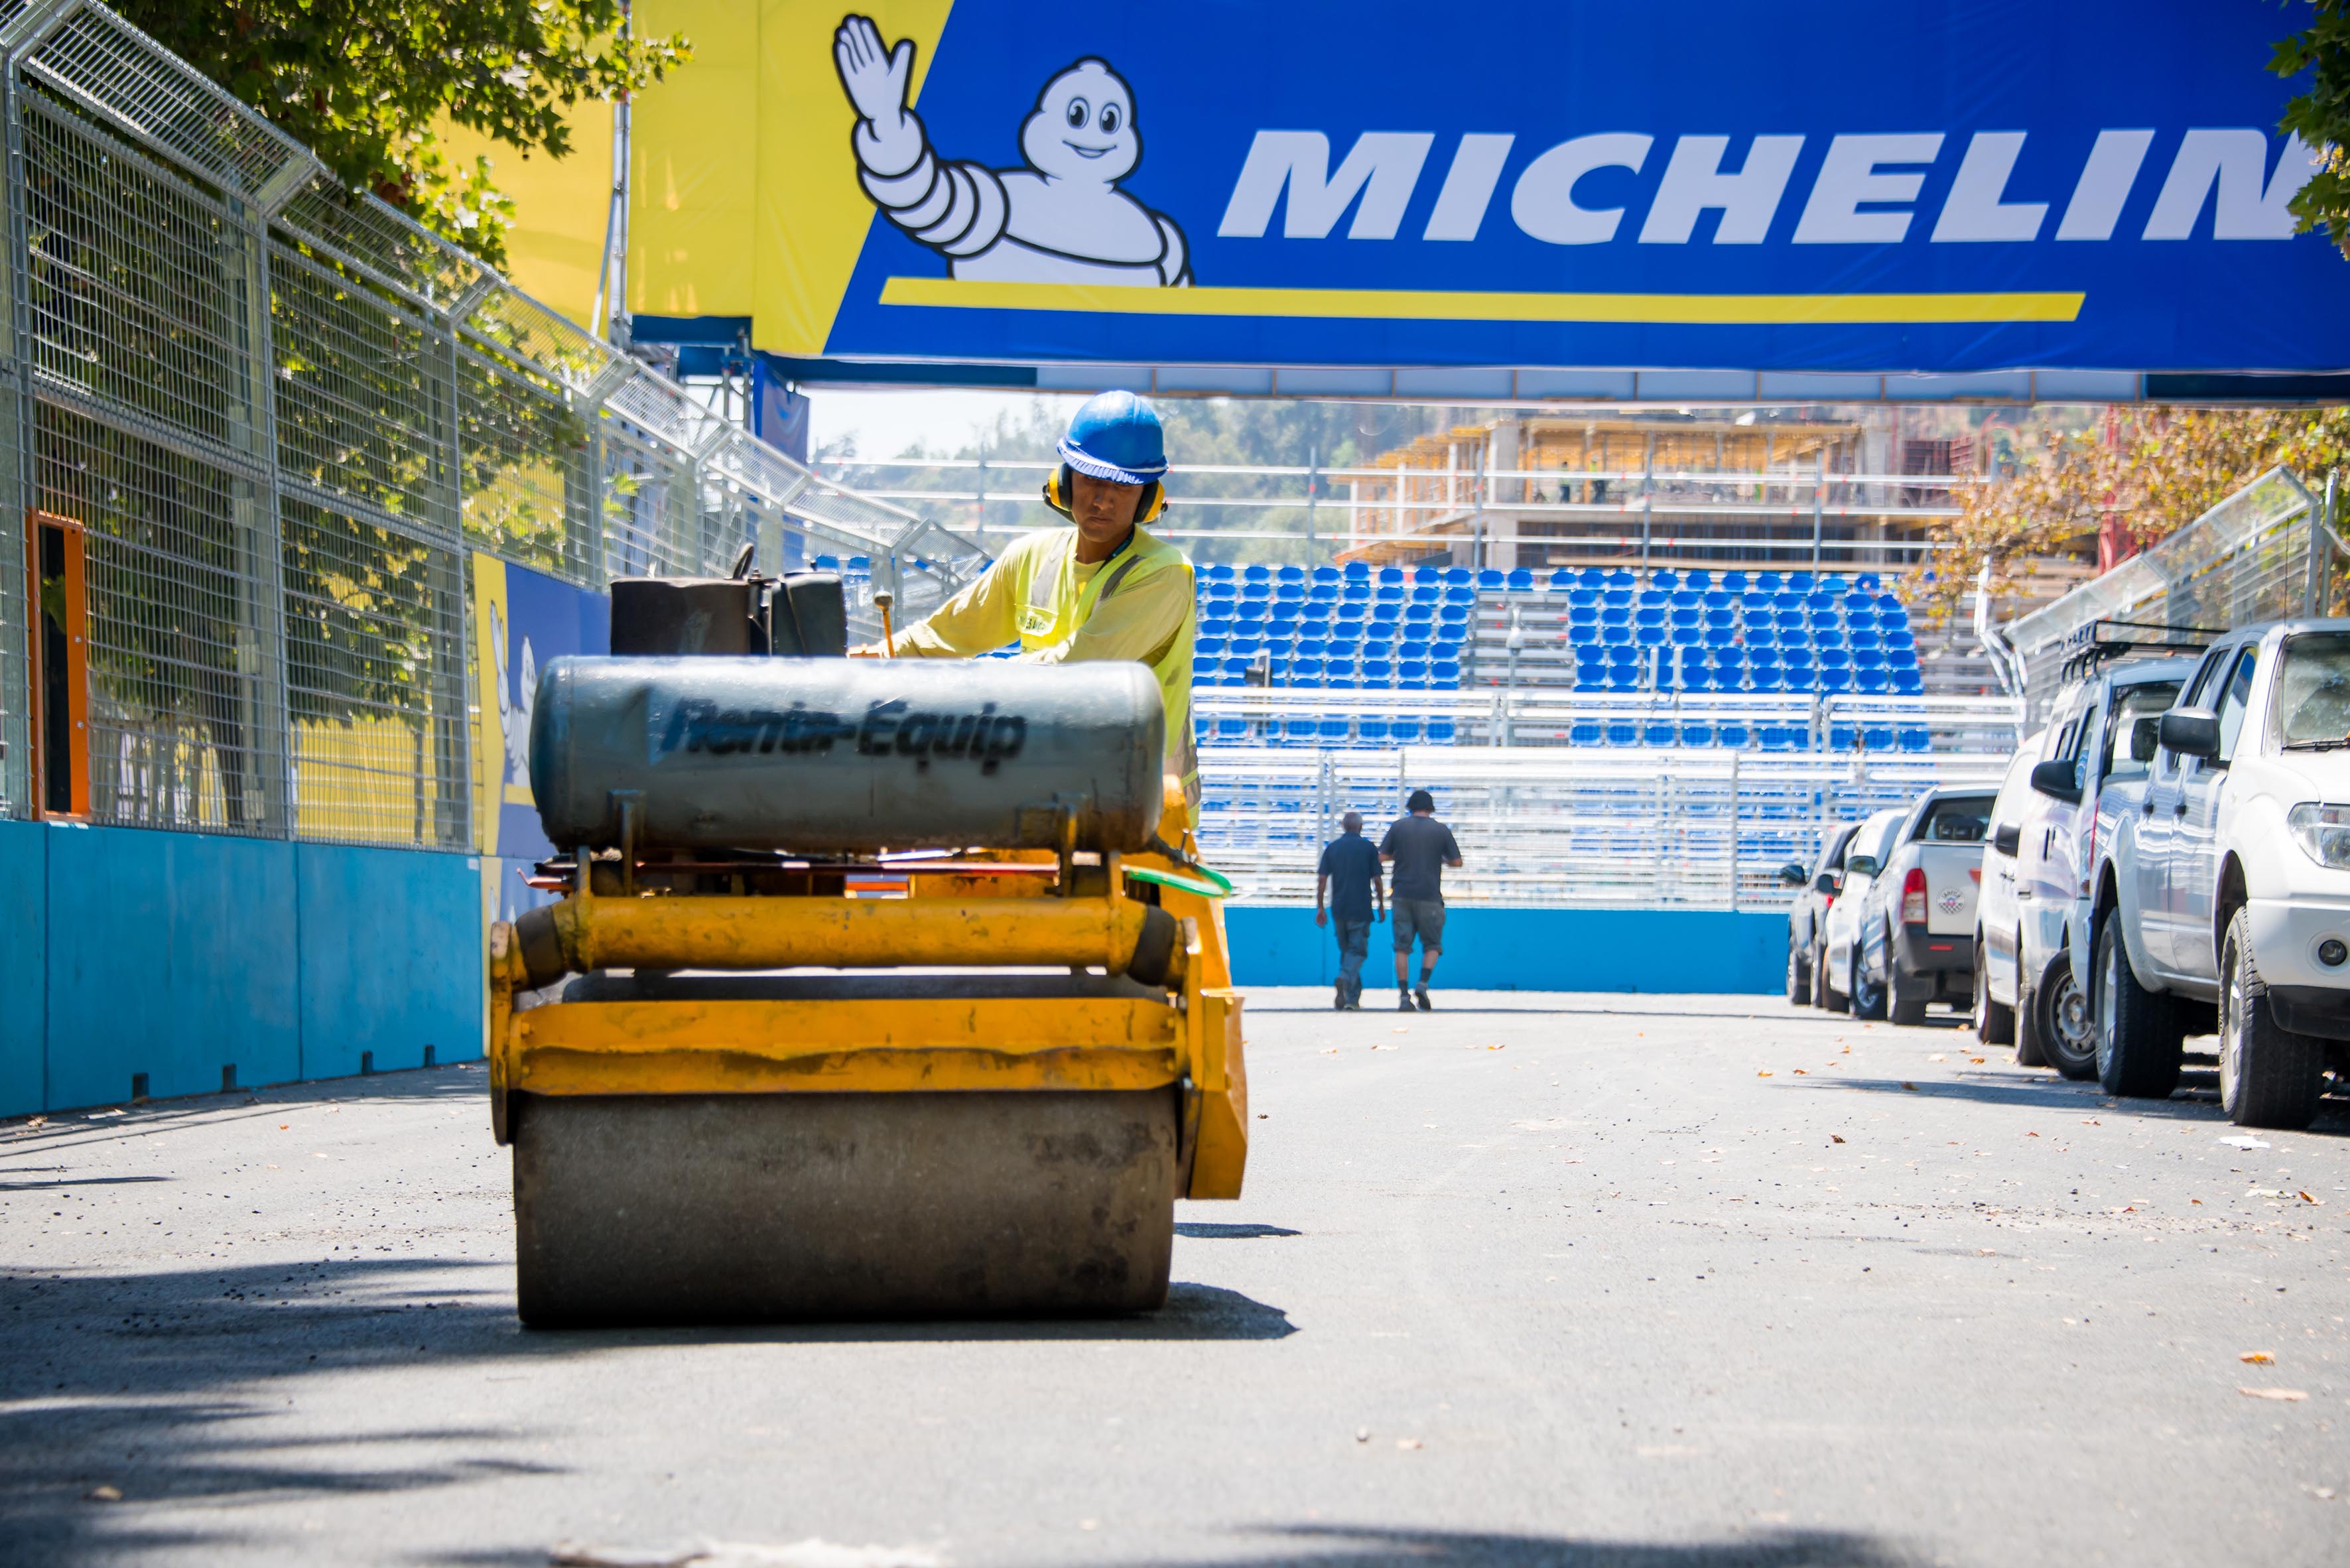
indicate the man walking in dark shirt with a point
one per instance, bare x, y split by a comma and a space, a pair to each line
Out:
1420, 847
1350, 875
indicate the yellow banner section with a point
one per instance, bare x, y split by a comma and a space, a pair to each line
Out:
561, 205
737, 206
1417, 305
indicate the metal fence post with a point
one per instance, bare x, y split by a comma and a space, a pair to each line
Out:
260, 524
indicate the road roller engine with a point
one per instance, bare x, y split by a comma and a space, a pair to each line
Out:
878, 988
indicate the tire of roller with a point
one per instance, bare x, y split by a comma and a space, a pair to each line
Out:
777, 1207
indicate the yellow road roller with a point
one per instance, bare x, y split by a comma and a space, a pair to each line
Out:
877, 989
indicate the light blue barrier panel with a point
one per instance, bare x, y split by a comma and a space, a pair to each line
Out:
390, 958
172, 955
23, 950
1533, 950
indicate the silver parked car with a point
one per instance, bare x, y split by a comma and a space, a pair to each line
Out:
1807, 916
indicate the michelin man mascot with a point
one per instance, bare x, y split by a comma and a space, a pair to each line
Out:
1062, 218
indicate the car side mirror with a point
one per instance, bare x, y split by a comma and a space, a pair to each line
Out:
2006, 838
2055, 780
1826, 882
1791, 873
1860, 865
2145, 735
2191, 732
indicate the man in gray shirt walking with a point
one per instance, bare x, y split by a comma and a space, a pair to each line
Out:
1420, 847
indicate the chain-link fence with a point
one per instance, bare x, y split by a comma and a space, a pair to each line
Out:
276, 416
2247, 559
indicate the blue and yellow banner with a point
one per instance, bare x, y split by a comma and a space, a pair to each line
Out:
1964, 186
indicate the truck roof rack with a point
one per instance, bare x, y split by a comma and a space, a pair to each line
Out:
2097, 643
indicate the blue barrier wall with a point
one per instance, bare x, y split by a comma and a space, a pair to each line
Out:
178, 955
1533, 950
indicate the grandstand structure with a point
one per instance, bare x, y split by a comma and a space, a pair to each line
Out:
1685, 637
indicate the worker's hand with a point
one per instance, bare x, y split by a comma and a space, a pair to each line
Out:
874, 74
1321, 916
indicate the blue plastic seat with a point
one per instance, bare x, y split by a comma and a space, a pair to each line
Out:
1623, 732
1333, 731
1303, 671
1866, 582
1658, 732
1916, 738
1838, 679
1799, 582
1623, 677
1779, 737
1649, 634
1371, 729
1231, 730
1843, 737
1908, 682
1769, 581
1358, 571
1696, 734
1376, 674
1520, 581
1409, 667
1301, 731
1689, 636
1561, 580
1439, 732
1664, 578
1585, 733
1876, 682
1444, 674
1406, 730
1390, 573
1256, 573
1734, 582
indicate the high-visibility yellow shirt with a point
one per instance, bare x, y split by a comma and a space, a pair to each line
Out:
1138, 605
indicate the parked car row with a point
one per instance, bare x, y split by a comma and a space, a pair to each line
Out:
2168, 857
1885, 923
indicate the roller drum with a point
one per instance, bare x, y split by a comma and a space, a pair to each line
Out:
702, 1208
844, 756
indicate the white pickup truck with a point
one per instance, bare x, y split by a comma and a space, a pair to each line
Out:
2219, 890
1917, 924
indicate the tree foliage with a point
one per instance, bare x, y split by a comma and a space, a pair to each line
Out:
2320, 116
2152, 470
366, 84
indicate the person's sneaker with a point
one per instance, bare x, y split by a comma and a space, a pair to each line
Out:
1403, 1001
1425, 1005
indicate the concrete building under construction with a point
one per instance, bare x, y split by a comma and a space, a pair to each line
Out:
1545, 491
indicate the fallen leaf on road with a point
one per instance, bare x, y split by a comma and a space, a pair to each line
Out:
2305, 1198
1937, 1057
2285, 1394
1909, 1086
1400, 1029
2197, 1201
1835, 1137
1803, 1072
2258, 1357
1407, 1443
1761, 1072
2031, 1135
283, 1126
2091, 1121
1976, 1060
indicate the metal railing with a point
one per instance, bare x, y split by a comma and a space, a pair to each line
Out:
1664, 827
2246, 559
281, 416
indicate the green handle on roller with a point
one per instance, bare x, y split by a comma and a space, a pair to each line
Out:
1216, 884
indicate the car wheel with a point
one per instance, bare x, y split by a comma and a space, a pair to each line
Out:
1830, 999
1799, 977
2269, 1077
1868, 995
1994, 1020
2136, 1029
2061, 1027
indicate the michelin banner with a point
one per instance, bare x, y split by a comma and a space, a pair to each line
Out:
1962, 186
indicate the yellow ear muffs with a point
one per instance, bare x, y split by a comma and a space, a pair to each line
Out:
1060, 484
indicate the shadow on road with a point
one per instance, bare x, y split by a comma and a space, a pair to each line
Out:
159, 1384
1337, 1546
2196, 1100
461, 1081
1200, 1231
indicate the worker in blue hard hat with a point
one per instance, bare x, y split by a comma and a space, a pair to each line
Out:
1105, 589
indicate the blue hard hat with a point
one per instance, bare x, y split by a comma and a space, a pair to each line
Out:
1116, 436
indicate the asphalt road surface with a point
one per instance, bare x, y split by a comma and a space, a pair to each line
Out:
1643, 1281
